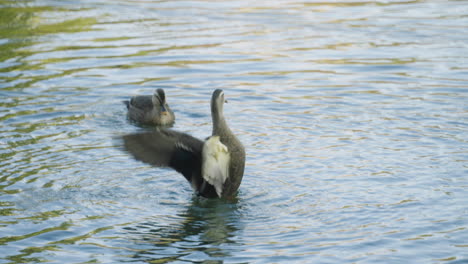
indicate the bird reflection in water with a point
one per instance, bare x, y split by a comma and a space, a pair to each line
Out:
202, 232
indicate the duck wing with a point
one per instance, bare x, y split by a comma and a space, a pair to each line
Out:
169, 148
166, 148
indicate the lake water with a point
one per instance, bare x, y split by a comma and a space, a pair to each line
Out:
354, 116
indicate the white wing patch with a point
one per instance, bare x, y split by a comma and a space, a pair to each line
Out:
215, 168
181, 145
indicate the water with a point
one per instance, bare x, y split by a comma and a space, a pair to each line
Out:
353, 115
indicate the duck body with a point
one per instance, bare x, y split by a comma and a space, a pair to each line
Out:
236, 165
150, 109
234, 146
213, 167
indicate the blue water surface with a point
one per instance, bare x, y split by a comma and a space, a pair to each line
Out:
354, 116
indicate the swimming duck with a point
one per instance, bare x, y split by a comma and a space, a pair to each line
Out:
213, 167
150, 109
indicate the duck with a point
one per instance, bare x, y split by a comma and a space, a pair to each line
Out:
214, 167
150, 109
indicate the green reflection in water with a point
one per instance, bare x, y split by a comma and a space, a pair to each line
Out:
23, 257
22, 26
7, 239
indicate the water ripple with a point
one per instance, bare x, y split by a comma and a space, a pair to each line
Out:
353, 115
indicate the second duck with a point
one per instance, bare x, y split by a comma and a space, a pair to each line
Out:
150, 109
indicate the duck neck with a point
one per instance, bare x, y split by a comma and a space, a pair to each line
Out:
220, 126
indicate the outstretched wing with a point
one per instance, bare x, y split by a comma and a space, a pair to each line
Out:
167, 148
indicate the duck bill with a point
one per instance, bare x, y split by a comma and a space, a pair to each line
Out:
164, 110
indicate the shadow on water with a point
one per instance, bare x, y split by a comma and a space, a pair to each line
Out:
205, 230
